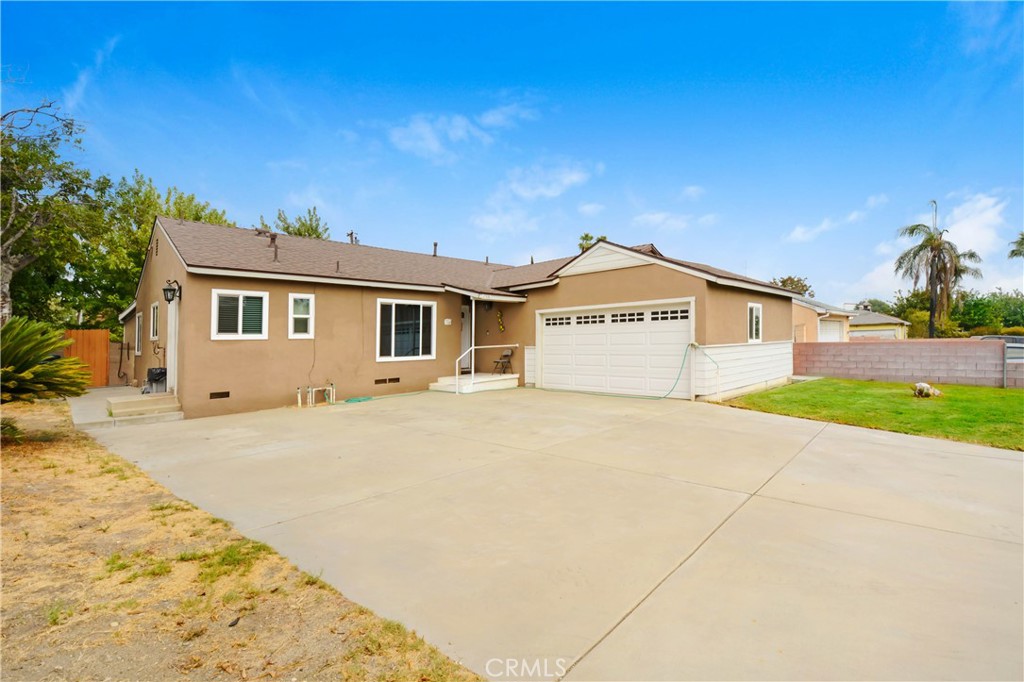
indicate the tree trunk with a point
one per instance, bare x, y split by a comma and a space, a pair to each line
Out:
933, 291
6, 308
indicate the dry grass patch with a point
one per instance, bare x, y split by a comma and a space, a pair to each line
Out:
108, 575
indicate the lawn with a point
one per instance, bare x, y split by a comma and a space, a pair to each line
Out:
107, 575
974, 414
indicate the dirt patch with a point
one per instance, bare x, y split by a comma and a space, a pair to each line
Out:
106, 575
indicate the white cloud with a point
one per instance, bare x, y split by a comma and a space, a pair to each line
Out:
545, 182
708, 219
876, 200
800, 233
498, 220
428, 136
692, 192
975, 224
590, 210
989, 27
856, 216
507, 116
662, 220
74, 95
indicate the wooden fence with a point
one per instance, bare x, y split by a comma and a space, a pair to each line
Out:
92, 346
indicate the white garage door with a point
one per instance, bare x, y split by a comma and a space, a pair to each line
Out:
627, 350
830, 330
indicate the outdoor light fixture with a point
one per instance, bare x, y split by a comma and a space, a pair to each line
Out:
172, 291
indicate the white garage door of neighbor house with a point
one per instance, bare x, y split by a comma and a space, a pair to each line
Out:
830, 330
625, 350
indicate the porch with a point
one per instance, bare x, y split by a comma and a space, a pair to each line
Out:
475, 383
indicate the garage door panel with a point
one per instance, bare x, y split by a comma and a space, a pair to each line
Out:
637, 354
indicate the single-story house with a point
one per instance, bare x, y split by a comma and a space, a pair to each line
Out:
878, 325
816, 321
254, 316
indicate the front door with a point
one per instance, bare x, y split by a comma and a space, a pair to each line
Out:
467, 337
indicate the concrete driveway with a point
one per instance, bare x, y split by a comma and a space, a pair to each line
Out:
536, 535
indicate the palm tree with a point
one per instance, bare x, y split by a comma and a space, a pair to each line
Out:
587, 240
1017, 247
937, 261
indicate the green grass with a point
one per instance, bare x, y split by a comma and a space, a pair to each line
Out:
974, 414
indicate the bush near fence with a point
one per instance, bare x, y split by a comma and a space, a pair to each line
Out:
936, 361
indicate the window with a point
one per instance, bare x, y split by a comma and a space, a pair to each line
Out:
138, 333
754, 323
154, 322
619, 318
239, 315
557, 321
665, 315
300, 315
405, 330
590, 319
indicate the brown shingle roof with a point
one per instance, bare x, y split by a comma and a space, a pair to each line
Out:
235, 248
875, 318
248, 250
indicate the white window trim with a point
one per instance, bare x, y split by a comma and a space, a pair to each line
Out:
214, 336
433, 331
760, 322
138, 332
154, 321
291, 316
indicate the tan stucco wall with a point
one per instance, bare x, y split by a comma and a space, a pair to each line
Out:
720, 312
265, 373
162, 264
805, 324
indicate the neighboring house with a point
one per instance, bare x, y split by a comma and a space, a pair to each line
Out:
878, 325
816, 321
261, 315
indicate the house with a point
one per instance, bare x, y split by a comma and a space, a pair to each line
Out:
816, 321
878, 325
243, 319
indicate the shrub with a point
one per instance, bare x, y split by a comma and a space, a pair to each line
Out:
1014, 331
30, 369
986, 331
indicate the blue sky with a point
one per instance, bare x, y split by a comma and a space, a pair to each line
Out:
768, 139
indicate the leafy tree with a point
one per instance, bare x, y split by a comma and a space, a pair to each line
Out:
1008, 306
29, 369
880, 306
972, 310
794, 283
587, 240
912, 301
309, 225
1017, 247
106, 276
937, 262
48, 206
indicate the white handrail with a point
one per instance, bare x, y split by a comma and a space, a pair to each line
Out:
458, 361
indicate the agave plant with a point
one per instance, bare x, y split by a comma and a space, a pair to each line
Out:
30, 368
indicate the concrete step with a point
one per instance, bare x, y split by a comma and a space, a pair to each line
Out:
132, 420
495, 383
137, 405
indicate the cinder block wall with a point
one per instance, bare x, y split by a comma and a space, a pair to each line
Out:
940, 361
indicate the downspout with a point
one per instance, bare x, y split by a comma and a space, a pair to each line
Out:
472, 341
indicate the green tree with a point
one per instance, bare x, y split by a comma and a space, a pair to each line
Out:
587, 240
1017, 247
936, 261
48, 206
106, 276
1008, 306
309, 225
794, 283
972, 310
880, 306
905, 304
